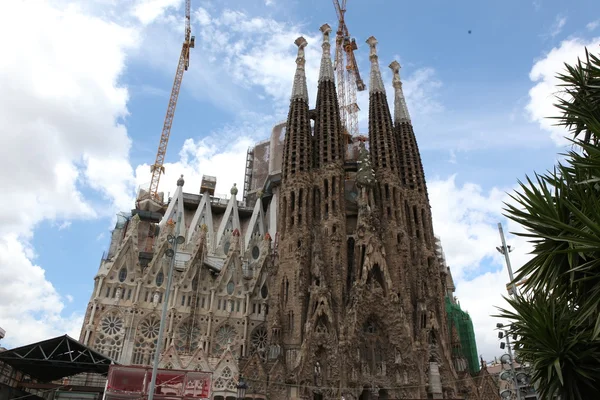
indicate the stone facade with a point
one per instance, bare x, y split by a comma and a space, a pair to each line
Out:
327, 287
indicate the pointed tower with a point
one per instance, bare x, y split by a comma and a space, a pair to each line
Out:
291, 280
416, 202
411, 167
328, 177
381, 138
382, 146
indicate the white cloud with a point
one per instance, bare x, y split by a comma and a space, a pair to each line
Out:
60, 103
146, 11
465, 217
593, 25
543, 73
64, 225
558, 25
30, 309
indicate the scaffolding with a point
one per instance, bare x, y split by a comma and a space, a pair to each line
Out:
248, 173
464, 326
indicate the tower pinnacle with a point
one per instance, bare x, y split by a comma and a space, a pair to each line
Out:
400, 109
299, 90
326, 70
376, 83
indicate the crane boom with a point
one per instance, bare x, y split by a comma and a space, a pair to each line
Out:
347, 76
184, 60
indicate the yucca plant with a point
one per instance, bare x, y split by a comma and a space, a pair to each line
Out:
557, 316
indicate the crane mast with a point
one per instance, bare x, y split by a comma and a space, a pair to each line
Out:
184, 61
348, 78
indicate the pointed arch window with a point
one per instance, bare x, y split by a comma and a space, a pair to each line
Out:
122, 274
372, 348
230, 287
264, 291
160, 278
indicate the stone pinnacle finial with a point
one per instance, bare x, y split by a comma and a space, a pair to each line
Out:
234, 190
376, 83
400, 109
326, 70
180, 181
300, 90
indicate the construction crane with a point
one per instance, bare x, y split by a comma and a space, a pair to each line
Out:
158, 167
347, 76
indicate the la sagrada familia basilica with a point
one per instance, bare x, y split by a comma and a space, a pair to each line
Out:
322, 280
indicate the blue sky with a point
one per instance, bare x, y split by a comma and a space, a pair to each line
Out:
82, 107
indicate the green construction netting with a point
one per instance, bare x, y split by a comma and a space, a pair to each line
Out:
464, 326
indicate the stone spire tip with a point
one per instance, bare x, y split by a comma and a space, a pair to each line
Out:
376, 84
326, 70
400, 109
180, 181
300, 90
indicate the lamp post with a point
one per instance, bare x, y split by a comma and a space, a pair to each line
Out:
241, 388
173, 241
508, 360
505, 250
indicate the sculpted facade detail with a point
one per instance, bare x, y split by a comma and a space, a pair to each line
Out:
325, 284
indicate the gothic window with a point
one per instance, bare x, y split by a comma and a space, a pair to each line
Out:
122, 274
230, 287
372, 349
226, 247
110, 335
145, 341
258, 342
160, 277
224, 337
187, 338
255, 252
225, 381
264, 291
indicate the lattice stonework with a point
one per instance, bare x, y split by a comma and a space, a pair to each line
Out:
109, 336
225, 381
225, 337
187, 338
258, 342
145, 341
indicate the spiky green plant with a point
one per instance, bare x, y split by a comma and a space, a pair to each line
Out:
557, 318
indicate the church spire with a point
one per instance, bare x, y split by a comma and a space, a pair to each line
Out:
326, 70
328, 126
297, 145
381, 136
411, 167
400, 110
299, 90
376, 83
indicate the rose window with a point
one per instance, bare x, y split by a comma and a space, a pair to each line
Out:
258, 342
112, 324
187, 337
149, 327
224, 337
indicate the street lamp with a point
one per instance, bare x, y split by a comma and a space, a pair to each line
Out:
241, 388
174, 241
508, 359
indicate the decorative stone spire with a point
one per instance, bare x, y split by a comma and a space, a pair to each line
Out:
382, 142
410, 165
400, 109
326, 70
180, 181
328, 133
376, 83
299, 90
297, 151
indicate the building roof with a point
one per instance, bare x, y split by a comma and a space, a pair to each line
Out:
56, 358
